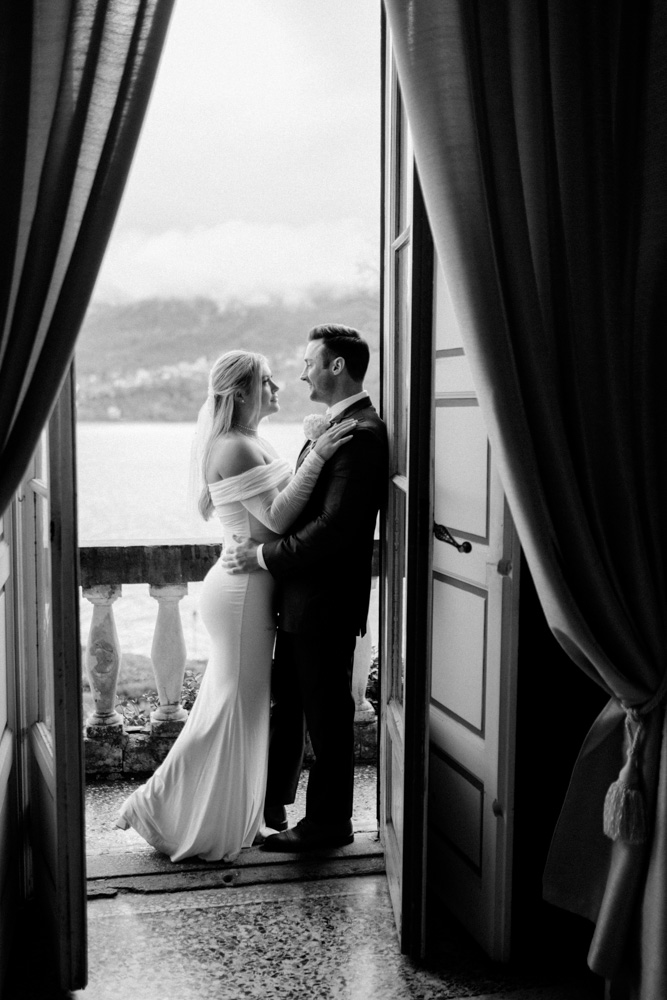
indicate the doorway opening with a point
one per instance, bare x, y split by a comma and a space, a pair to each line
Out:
243, 226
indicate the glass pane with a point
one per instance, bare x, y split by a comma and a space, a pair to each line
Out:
42, 458
401, 358
402, 167
396, 593
43, 623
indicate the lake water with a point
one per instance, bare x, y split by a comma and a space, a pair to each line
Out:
133, 479
132, 485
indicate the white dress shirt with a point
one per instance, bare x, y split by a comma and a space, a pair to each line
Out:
333, 411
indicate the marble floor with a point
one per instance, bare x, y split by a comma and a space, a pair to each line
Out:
323, 939
332, 939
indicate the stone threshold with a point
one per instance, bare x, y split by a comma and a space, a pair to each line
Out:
150, 872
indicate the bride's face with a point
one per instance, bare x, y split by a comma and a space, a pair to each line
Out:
268, 394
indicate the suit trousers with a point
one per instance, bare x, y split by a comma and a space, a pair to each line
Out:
312, 690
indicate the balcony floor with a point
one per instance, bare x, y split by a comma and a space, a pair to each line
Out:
104, 798
325, 938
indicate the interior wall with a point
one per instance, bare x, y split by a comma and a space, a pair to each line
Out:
556, 706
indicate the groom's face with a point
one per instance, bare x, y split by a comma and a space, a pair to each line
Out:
316, 372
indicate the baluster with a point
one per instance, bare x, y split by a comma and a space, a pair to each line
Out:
363, 655
103, 655
168, 654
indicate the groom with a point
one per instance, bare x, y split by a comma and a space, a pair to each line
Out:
323, 571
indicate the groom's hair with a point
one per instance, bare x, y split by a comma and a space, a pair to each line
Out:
344, 342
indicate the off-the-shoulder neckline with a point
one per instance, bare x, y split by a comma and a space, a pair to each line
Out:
255, 468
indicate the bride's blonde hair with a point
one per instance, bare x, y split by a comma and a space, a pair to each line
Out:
233, 372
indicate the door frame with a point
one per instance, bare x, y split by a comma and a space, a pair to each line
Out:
418, 575
69, 750
406, 862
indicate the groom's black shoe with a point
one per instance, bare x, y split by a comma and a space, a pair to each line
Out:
275, 817
309, 836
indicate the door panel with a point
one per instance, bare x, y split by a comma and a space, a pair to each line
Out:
454, 377
461, 472
460, 627
8, 846
50, 676
474, 640
463, 825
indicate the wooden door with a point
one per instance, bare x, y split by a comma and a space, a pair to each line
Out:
474, 654
9, 846
52, 786
406, 528
450, 593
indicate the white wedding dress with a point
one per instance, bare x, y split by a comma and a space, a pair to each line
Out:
206, 799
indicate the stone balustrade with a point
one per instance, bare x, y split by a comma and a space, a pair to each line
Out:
113, 748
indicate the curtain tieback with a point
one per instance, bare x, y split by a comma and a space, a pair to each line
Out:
624, 816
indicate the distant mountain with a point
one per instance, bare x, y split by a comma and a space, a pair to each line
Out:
149, 360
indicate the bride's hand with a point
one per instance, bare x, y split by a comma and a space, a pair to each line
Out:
328, 443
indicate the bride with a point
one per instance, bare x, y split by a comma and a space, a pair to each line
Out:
206, 799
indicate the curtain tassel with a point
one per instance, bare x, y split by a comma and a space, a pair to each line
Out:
624, 816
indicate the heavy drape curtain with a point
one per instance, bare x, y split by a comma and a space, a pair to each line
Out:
540, 135
75, 76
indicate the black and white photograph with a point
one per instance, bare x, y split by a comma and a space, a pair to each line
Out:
333, 566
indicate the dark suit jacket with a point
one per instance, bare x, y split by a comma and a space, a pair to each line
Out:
323, 566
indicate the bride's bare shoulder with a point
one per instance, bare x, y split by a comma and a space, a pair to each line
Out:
231, 455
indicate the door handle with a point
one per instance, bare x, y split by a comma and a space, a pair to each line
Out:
443, 534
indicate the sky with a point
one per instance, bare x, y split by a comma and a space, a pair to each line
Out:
257, 173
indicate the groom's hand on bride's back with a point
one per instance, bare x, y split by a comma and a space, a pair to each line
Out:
240, 556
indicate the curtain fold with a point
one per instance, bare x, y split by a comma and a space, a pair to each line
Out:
74, 90
540, 134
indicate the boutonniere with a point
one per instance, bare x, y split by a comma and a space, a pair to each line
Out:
314, 425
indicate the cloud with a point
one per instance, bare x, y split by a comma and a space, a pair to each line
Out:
238, 260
